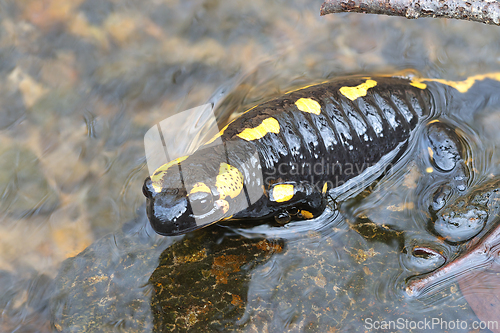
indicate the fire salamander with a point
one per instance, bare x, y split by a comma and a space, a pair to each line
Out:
281, 158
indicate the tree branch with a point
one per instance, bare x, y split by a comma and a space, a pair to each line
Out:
480, 256
485, 11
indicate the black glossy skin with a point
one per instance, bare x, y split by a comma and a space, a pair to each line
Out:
348, 136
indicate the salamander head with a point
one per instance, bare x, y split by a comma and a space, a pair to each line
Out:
191, 193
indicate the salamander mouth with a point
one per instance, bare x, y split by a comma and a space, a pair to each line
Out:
177, 226
163, 225
170, 216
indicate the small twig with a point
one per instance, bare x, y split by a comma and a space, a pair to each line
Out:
479, 257
485, 11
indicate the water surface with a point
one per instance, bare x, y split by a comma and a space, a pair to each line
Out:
84, 80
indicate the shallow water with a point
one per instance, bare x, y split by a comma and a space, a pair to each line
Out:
84, 80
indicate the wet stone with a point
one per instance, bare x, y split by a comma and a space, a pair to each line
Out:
202, 283
31, 303
7, 60
465, 216
96, 11
445, 146
55, 111
12, 108
461, 225
23, 184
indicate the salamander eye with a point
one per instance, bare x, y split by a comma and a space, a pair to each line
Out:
201, 202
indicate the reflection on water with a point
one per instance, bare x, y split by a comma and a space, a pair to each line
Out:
82, 81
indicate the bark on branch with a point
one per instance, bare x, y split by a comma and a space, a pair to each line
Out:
481, 256
485, 11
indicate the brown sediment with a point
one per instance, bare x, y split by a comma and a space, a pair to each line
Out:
266, 245
224, 265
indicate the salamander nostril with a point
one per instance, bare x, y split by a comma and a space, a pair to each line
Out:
146, 188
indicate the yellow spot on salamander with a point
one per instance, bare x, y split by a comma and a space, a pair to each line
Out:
157, 176
229, 181
465, 85
306, 214
200, 187
358, 91
268, 125
461, 86
156, 186
325, 188
283, 192
308, 105
165, 166
418, 84
224, 205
